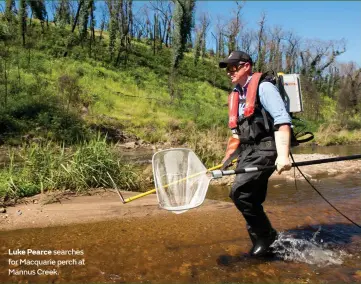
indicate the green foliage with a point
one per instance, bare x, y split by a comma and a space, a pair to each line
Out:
62, 15
337, 134
42, 167
38, 8
22, 20
208, 145
50, 96
183, 24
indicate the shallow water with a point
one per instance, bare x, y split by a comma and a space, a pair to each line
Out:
316, 245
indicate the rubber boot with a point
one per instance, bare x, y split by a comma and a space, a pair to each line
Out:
252, 235
262, 243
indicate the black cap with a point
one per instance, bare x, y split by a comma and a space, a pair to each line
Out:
235, 58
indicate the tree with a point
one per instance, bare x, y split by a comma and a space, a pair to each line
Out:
247, 41
62, 14
113, 8
22, 20
291, 52
125, 22
260, 44
9, 10
84, 19
39, 10
163, 12
200, 43
275, 52
183, 24
349, 99
234, 27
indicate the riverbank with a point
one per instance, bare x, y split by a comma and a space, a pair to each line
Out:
35, 212
64, 208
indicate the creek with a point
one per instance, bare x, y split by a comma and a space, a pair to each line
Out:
316, 244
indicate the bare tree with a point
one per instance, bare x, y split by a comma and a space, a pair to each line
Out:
317, 55
163, 10
275, 49
234, 27
247, 39
201, 32
260, 44
350, 89
292, 50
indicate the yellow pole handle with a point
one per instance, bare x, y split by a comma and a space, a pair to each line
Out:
154, 190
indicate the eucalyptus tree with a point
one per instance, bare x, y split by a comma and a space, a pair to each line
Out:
292, 47
275, 49
162, 20
201, 34
39, 10
349, 97
234, 27
125, 26
9, 9
22, 20
261, 50
62, 14
247, 39
316, 56
113, 7
183, 23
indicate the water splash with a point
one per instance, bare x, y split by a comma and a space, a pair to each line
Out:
309, 251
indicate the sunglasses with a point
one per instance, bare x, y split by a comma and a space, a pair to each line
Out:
234, 68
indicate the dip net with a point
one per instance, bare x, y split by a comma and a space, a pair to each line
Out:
180, 179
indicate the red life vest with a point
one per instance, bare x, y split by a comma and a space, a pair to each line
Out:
233, 101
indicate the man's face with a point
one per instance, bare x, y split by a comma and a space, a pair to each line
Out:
238, 73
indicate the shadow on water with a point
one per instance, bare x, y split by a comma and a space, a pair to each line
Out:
337, 233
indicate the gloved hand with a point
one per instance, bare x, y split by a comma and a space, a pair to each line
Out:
282, 139
233, 143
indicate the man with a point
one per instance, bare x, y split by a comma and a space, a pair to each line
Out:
259, 139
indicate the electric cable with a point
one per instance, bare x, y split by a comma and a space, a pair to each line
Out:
324, 198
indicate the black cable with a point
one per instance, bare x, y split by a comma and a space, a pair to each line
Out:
324, 198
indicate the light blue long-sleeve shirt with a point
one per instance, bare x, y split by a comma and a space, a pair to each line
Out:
270, 99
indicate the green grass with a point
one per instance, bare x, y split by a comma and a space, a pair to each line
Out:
39, 168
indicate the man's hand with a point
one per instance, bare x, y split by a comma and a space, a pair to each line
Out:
283, 164
282, 139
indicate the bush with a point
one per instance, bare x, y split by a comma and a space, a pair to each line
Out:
42, 167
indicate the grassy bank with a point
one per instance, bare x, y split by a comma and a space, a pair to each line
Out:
39, 168
333, 134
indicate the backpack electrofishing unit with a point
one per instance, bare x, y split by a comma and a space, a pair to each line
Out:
255, 123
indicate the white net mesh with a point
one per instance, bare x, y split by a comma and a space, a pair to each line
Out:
180, 179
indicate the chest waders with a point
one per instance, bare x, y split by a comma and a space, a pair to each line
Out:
257, 148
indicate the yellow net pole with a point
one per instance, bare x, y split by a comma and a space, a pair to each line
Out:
154, 190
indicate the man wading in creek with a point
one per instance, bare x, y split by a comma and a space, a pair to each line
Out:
261, 131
